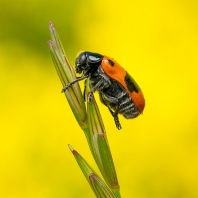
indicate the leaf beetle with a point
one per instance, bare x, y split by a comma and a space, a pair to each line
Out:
117, 89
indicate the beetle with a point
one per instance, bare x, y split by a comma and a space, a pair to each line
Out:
117, 89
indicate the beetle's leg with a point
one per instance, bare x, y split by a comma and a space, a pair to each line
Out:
115, 113
73, 82
95, 88
104, 82
90, 97
84, 90
115, 116
117, 123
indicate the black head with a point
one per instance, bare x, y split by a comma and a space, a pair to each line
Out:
87, 61
81, 62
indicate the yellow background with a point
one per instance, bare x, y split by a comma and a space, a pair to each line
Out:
156, 155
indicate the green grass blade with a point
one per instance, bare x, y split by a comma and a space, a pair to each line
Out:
100, 189
66, 74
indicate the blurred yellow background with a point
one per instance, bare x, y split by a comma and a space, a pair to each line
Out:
156, 155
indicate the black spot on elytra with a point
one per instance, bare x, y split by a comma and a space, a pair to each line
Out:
130, 84
111, 62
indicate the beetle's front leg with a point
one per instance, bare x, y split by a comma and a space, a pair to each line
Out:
73, 82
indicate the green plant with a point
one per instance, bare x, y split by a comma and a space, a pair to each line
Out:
90, 121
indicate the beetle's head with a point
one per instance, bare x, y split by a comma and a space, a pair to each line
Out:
81, 63
87, 62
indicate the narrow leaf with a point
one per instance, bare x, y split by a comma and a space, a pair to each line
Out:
66, 74
100, 189
99, 144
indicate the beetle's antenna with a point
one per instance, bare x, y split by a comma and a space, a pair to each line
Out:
73, 82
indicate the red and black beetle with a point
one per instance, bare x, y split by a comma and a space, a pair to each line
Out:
117, 89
